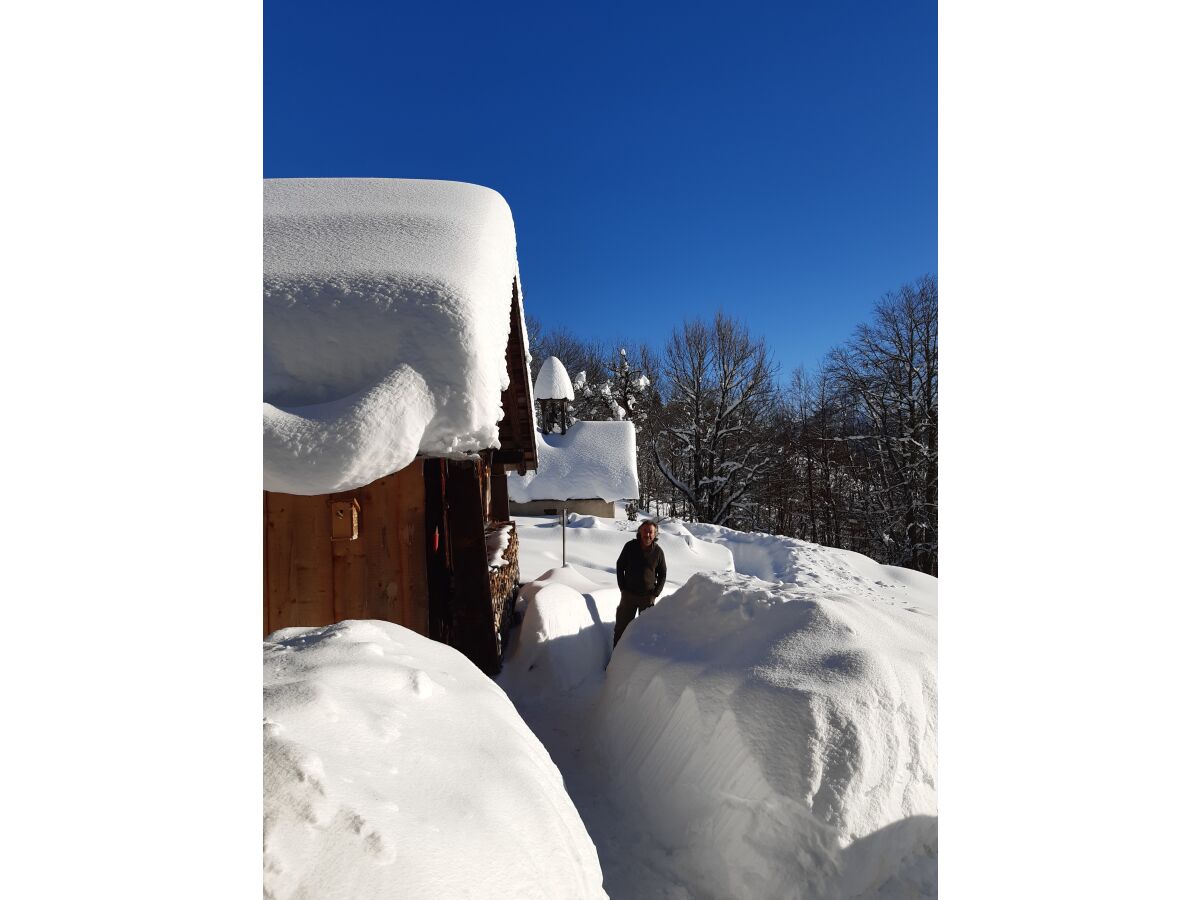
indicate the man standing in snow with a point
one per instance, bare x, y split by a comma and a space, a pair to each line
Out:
641, 574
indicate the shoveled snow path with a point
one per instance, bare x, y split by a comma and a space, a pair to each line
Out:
563, 721
635, 865
627, 854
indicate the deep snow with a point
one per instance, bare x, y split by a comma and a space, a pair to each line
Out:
770, 734
385, 324
751, 738
393, 767
762, 729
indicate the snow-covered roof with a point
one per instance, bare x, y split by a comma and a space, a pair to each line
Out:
553, 382
386, 309
593, 459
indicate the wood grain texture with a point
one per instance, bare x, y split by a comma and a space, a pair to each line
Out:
437, 552
499, 509
473, 631
312, 580
299, 565
350, 574
413, 599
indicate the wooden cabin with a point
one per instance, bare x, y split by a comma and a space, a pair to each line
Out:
411, 546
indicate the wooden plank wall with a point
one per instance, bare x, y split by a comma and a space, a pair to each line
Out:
473, 632
499, 510
299, 565
311, 580
438, 558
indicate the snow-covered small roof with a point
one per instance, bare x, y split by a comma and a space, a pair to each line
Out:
386, 310
553, 382
593, 459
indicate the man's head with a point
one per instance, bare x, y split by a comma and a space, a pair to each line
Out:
647, 533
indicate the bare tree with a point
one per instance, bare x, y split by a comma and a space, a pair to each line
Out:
576, 354
887, 375
711, 448
648, 420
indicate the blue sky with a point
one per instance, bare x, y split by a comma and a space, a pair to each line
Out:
778, 161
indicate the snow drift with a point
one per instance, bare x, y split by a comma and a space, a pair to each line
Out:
385, 323
778, 740
393, 767
773, 557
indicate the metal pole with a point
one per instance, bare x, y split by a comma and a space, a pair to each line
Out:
563, 513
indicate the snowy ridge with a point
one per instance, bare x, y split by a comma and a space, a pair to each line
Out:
773, 557
393, 767
762, 729
593, 459
385, 323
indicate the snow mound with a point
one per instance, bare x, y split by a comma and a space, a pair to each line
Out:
778, 741
593, 459
560, 643
553, 382
385, 324
393, 767
567, 575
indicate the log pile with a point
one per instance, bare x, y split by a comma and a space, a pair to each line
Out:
503, 580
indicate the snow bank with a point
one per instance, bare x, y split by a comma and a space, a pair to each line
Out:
772, 557
558, 645
393, 767
593, 459
553, 382
778, 740
385, 324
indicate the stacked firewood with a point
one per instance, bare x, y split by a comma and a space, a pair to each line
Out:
504, 580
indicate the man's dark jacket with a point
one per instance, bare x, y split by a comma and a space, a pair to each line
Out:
641, 572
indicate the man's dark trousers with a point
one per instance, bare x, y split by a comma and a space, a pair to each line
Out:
630, 606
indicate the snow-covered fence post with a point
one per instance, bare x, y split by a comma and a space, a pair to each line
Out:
563, 513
